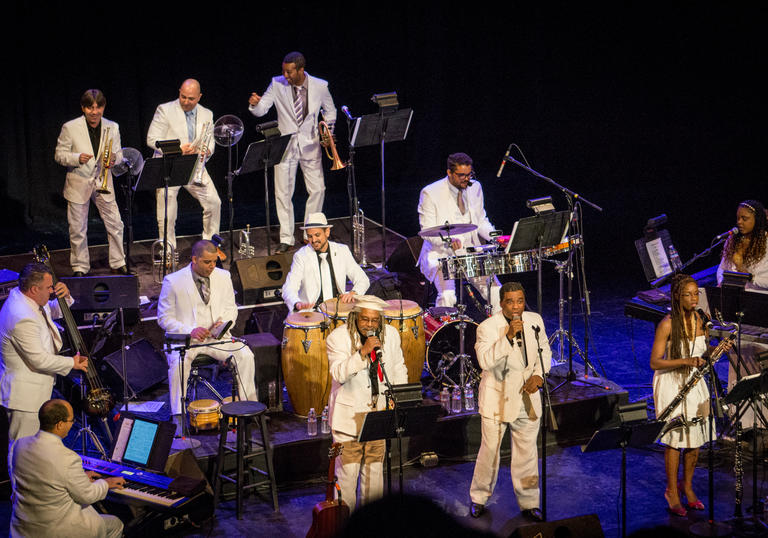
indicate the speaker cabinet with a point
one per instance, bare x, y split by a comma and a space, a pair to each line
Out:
97, 296
258, 280
144, 367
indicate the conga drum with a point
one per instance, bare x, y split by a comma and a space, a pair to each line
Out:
406, 317
336, 311
204, 414
305, 361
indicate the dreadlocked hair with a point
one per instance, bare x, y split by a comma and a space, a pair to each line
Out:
352, 328
755, 251
679, 336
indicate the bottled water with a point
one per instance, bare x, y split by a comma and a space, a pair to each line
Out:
469, 397
312, 423
445, 399
324, 426
456, 400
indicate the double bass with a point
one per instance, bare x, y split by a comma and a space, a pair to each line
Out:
99, 400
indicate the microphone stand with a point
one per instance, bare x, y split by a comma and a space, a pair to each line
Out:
398, 430
706, 252
548, 420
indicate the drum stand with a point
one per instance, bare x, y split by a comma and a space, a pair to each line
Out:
561, 334
85, 429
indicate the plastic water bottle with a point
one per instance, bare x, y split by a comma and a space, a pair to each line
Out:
445, 399
312, 423
469, 397
674, 258
456, 400
324, 426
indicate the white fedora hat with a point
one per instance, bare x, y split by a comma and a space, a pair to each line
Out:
315, 220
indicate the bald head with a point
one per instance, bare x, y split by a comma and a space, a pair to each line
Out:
53, 414
189, 94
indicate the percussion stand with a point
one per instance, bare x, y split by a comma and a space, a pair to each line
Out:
561, 334
185, 441
85, 429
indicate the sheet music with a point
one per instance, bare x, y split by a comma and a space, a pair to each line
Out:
658, 255
122, 439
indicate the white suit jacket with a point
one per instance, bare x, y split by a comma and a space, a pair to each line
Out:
81, 180
302, 285
52, 494
437, 205
178, 297
28, 359
350, 397
306, 143
504, 370
170, 123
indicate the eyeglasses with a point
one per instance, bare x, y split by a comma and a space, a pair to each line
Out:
463, 176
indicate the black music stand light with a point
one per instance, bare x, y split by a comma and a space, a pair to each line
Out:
634, 430
171, 170
262, 155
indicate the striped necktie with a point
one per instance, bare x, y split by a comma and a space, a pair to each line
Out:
190, 125
298, 103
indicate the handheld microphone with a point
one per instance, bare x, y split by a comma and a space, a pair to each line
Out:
518, 335
504, 161
377, 349
346, 112
729, 233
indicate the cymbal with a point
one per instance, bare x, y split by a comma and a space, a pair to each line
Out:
447, 229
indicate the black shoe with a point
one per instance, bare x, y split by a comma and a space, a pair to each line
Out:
78, 274
476, 510
122, 271
283, 247
533, 514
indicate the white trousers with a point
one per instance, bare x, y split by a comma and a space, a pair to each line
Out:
285, 184
364, 461
209, 200
221, 352
524, 464
446, 291
77, 216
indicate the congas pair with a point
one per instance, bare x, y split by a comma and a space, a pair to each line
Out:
442, 329
406, 317
305, 361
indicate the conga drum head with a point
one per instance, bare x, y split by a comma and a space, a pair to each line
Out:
334, 308
305, 319
404, 308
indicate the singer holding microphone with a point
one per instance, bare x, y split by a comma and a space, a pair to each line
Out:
507, 347
362, 355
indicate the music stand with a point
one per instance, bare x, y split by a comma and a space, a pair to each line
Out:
402, 421
634, 430
389, 125
260, 156
171, 170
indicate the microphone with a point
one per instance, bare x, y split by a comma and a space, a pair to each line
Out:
729, 233
518, 335
377, 349
345, 110
504, 161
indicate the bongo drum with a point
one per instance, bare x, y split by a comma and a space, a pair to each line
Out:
204, 414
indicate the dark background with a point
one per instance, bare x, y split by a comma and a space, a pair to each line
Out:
644, 109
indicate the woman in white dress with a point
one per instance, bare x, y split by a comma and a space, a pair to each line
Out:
678, 347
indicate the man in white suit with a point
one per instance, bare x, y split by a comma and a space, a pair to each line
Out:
455, 199
507, 348
188, 121
52, 494
29, 343
298, 98
80, 148
358, 387
319, 270
196, 300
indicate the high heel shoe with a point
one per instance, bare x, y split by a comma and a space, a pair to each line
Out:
677, 509
695, 505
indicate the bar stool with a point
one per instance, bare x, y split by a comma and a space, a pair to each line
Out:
244, 414
201, 361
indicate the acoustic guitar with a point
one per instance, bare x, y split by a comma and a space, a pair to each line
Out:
99, 401
330, 515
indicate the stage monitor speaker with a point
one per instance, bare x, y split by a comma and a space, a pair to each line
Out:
97, 296
145, 368
258, 280
587, 526
405, 256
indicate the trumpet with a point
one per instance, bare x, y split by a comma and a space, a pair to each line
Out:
202, 149
171, 260
327, 140
106, 163
358, 237
245, 249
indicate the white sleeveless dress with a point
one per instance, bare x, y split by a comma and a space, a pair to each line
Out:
667, 385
